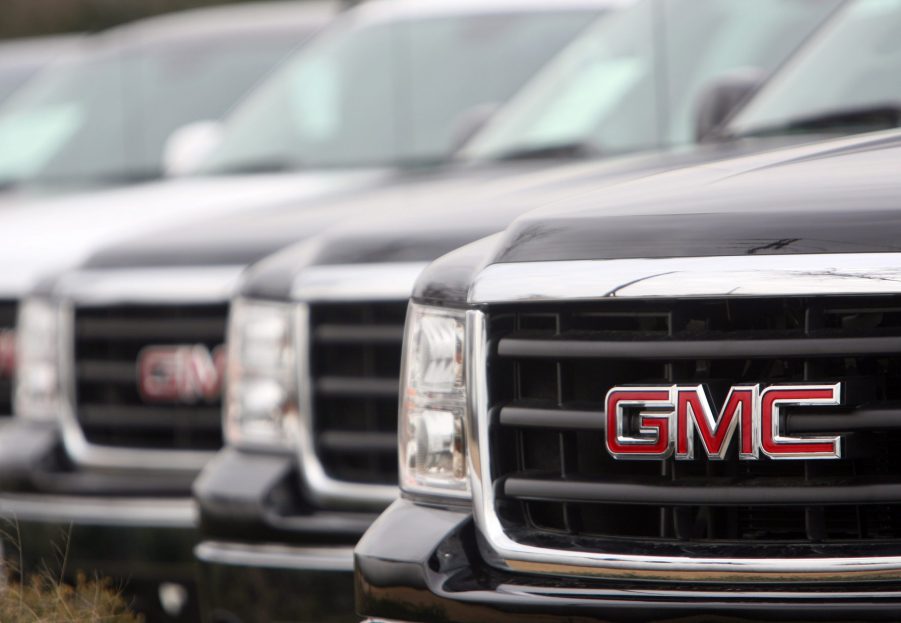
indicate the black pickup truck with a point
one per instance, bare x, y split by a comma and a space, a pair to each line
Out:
677, 396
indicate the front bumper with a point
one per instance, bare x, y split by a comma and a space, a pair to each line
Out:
423, 564
139, 530
258, 582
266, 553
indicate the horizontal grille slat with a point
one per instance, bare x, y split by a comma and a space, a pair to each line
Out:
551, 365
355, 352
151, 329
350, 334
206, 418
111, 406
558, 418
705, 493
106, 371
698, 349
345, 441
356, 387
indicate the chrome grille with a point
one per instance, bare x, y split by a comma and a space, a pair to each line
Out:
108, 406
552, 363
355, 352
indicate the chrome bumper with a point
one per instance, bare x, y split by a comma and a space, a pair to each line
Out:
100, 511
287, 557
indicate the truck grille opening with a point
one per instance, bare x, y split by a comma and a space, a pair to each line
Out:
355, 352
8, 311
109, 405
546, 403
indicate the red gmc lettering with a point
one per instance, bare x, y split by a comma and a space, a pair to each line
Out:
657, 422
694, 412
653, 436
185, 374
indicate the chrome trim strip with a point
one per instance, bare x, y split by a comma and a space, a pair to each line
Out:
746, 275
340, 559
357, 282
343, 283
196, 285
699, 595
107, 511
679, 278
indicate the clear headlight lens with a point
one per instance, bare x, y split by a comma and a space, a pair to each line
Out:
261, 385
433, 403
38, 387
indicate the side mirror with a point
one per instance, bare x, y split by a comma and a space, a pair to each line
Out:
469, 123
187, 146
723, 97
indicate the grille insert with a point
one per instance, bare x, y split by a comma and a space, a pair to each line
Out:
551, 365
108, 404
355, 352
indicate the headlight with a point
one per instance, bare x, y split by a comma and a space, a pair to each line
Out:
433, 403
261, 382
38, 387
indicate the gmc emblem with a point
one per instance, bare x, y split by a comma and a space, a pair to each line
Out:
659, 422
187, 374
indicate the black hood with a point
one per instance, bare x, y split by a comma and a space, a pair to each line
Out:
841, 196
836, 197
418, 222
250, 235
242, 236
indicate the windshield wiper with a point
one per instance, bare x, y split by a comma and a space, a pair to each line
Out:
94, 180
256, 167
850, 120
569, 151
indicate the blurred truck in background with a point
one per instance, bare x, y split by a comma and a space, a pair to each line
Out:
103, 111
119, 107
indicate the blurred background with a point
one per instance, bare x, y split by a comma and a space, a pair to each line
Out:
23, 18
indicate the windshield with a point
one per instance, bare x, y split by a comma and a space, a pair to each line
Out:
854, 65
103, 115
390, 92
632, 81
13, 76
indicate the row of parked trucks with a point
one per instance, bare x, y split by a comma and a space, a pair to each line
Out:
594, 301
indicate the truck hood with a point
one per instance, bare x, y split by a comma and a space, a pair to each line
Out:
54, 234
840, 196
245, 237
418, 222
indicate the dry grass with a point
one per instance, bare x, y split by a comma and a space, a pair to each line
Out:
42, 599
